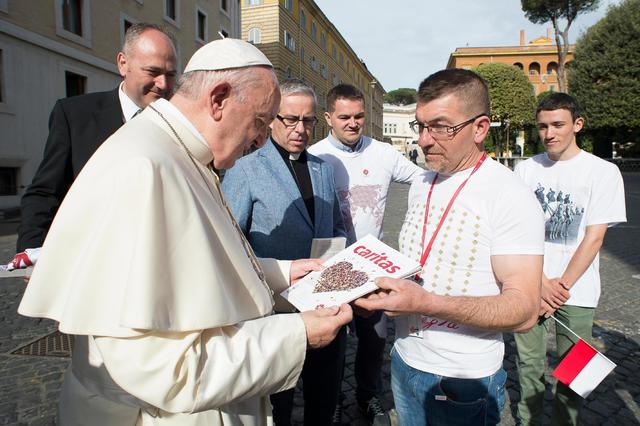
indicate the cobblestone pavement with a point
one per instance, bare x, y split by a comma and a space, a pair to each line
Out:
29, 385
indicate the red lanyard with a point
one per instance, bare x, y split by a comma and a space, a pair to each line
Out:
427, 250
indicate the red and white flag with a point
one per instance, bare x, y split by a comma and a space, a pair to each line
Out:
583, 368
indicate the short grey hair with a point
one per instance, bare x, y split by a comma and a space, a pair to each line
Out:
194, 83
135, 31
293, 86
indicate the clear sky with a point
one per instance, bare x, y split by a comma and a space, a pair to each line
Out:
403, 41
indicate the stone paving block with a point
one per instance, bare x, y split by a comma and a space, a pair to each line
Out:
29, 386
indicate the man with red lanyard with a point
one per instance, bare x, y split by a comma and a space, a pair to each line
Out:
479, 235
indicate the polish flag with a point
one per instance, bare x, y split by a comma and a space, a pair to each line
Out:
583, 368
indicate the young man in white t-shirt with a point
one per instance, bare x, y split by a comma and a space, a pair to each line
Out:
580, 195
478, 233
363, 169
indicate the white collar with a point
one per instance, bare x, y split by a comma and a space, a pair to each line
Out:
129, 108
182, 118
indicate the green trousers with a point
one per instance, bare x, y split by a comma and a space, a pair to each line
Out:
532, 351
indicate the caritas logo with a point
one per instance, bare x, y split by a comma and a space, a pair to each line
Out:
379, 259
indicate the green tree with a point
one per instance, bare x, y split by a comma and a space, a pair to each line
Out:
542, 95
402, 96
513, 101
542, 11
605, 74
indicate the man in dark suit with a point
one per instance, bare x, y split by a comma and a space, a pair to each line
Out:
283, 197
78, 125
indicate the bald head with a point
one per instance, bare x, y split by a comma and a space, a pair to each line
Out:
147, 64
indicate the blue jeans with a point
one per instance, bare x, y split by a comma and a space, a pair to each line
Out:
429, 399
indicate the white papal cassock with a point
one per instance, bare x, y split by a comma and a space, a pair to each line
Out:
144, 264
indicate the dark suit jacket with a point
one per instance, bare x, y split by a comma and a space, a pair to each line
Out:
77, 127
267, 204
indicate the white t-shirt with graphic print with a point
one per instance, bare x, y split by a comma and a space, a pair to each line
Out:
584, 190
493, 215
362, 179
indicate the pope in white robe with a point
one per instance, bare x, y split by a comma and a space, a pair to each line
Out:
145, 265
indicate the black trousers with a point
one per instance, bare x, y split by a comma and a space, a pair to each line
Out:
321, 381
369, 358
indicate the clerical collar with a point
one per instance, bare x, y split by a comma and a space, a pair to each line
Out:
129, 108
201, 149
286, 155
342, 147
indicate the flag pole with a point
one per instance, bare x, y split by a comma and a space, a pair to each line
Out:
574, 333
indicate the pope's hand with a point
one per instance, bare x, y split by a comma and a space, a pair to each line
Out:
323, 324
300, 268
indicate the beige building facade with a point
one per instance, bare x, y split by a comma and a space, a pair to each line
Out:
50, 49
302, 43
538, 59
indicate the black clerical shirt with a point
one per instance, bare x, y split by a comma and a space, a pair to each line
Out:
300, 172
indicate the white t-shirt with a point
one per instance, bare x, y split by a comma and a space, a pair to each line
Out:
584, 190
494, 214
362, 179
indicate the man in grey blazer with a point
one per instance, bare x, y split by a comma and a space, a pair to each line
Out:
282, 198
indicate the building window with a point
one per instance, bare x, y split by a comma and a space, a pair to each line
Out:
73, 21
76, 84
302, 54
72, 16
9, 181
288, 74
334, 51
314, 30
323, 71
552, 88
125, 23
223, 33
341, 59
314, 63
519, 65
552, 68
170, 9
534, 68
172, 12
303, 19
289, 42
255, 35
323, 40
252, 2
201, 26
224, 6
288, 4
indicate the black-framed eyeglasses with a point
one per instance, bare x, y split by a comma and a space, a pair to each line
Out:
292, 122
439, 131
